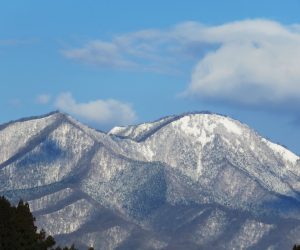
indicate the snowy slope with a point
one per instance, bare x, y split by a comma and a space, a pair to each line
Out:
186, 143
181, 182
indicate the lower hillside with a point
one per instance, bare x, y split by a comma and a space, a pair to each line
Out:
18, 231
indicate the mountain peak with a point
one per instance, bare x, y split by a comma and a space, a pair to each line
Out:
190, 172
144, 130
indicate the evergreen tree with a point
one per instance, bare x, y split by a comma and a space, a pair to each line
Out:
296, 247
7, 231
18, 231
26, 235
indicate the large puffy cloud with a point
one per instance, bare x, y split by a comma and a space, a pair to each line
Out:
256, 63
100, 112
250, 62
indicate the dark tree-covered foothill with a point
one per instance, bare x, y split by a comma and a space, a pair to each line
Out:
18, 231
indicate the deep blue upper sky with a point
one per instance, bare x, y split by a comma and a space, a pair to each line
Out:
122, 62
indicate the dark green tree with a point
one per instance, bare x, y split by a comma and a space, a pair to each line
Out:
18, 231
296, 247
7, 230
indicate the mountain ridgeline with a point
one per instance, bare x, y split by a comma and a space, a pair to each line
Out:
191, 181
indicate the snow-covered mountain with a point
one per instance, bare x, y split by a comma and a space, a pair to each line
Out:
191, 181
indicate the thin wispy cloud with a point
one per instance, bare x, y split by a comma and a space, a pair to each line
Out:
15, 102
249, 62
43, 99
100, 112
148, 50
100, 53
16, 42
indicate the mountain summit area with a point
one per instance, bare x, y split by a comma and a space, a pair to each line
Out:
191, 181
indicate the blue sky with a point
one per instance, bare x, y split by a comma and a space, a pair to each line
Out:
125, 62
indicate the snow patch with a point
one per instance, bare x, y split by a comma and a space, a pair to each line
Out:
287, 155
48, 200
250, 233
231, 126
66, 220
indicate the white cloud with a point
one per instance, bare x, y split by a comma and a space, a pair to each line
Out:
43, 99
256, 63
145, 50
250, 62
100, 53
100, 112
